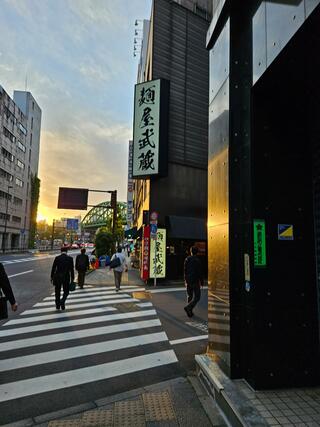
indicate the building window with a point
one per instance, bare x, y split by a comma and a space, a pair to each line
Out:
4, 195
32, 105
17, 201
22, 129
6, 154
31, 122
4, 216
16, 219
19, 183
21, 146
9, 115
9, 135
6, 175
20, 164
31, 139
29, 156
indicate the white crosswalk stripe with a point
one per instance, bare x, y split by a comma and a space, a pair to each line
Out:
84, 350
77, 322
44, 350
75, 302
59, 315
31, 386
93, 297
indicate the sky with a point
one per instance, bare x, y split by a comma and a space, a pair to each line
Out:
76, 57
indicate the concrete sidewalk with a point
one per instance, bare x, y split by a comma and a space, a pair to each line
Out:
181, 402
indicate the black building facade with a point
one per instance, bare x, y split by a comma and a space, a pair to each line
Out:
263, 191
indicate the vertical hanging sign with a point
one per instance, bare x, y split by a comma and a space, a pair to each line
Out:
144, 273
150, 128
259, 243
158, 264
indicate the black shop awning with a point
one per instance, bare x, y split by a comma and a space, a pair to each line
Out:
182, 227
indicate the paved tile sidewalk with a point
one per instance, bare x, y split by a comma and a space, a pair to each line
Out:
180, 402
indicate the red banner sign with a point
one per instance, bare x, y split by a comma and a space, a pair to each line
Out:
144, 273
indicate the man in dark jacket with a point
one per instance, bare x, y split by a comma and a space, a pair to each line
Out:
193, 277
82, 265
6, 288
62, 273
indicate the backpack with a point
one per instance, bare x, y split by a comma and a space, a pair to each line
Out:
116, 262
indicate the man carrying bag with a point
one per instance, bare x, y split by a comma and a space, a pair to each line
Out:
118, 264
5, 287
62, 273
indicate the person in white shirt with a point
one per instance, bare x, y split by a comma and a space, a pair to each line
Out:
117, 271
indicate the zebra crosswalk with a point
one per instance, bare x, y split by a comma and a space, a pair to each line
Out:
92, 344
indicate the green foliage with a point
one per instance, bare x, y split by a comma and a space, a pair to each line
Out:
35, 192
105, 242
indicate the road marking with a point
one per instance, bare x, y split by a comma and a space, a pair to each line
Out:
92, 298
74, 335
104, 288
74, 303
85, 293
144, 304
189, 339
29, 387
77, 322
76, 306
80, 351
159, 291
19, 274
88, 295
58, 315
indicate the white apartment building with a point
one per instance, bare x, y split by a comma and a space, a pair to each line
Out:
20, 124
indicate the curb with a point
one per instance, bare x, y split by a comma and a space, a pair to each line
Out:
42, 420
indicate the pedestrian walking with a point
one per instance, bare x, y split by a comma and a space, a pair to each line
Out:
82, 265
193, 277
5, 287
62, 273
118, 266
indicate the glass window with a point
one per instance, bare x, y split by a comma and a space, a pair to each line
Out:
21, 146
22, 129
310, 5
19, 183
219, 61
259, 42
6, 175
283, 20
7, 155
16, 219
17, 201
20, 164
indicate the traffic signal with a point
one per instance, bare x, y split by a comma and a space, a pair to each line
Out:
114, 199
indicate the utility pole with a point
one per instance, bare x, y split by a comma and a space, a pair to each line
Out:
52, 236
4, 237
114, 207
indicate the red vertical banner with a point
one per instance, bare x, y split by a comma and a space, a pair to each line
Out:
144, 273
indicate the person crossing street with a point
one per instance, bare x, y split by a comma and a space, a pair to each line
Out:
62, 273
82, 265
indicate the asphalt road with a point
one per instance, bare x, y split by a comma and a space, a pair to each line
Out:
103, 344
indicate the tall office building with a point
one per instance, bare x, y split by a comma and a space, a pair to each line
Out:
20, 124
175, 59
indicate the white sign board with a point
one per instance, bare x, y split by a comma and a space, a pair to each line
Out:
146, 129
158, 258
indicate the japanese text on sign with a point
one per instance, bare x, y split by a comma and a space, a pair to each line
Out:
158, 268
146, 129
259, 243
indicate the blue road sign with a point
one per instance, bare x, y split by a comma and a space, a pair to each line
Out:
72, 224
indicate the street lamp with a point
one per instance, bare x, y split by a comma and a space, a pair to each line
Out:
5, 222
